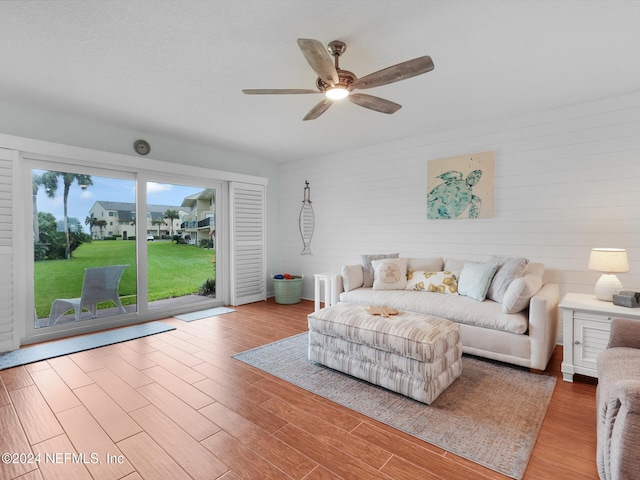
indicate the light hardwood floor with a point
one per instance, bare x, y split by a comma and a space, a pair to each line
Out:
177, 406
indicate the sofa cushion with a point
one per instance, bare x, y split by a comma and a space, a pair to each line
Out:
430, 264
509, 268
437, 282
389, 274
425, 338
352, 277
487, 314
519, 293
475, 279
367, 269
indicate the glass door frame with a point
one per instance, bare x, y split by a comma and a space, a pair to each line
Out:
221, 260
29, 162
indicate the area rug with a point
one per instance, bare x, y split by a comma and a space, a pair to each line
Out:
200, 314
491, 415
44, 351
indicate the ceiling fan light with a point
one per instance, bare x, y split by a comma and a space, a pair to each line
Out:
337, 93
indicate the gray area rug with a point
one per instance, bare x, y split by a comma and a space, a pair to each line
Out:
44, 351
491, 415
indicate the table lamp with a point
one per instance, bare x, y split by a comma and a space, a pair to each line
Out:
609, 261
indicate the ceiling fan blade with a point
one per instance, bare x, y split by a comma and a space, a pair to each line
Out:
277, 91
319, 59
374, 103
318, 110
398, 72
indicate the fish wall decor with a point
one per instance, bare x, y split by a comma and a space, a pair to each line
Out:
307, 220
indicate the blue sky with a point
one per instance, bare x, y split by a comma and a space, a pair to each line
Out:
108, 189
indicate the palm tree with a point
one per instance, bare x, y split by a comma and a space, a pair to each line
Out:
158, 222
171, 215
49, 181
91, 221
67, 178
101, 224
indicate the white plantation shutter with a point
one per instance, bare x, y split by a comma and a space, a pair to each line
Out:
6, 250
248, 243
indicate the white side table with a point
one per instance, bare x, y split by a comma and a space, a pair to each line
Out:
330, 281
587, 322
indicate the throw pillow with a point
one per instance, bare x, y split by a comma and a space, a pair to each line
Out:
509, 268
437, 282
519, 293
352, 277
475, 279
367, 268
389, 274
534, 268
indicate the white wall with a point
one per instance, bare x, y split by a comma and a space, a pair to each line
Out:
566, 180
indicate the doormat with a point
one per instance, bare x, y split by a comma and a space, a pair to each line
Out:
57, 348
199, 315
491, 415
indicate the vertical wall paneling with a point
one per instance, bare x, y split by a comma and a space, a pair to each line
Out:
566, 180
7, 328
248, 243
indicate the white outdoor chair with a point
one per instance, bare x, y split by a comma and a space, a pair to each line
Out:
100, 284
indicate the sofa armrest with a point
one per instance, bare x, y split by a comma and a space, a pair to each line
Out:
543, 324
628, 394
619, 432
624, 333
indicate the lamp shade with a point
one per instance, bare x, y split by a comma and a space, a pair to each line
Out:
609, 260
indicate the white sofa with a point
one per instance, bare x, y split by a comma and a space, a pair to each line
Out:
520, 329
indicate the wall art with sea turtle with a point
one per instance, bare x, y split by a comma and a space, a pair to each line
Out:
460, 187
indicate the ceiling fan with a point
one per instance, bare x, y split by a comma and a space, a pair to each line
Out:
337, 84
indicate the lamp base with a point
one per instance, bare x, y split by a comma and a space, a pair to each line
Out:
608, 285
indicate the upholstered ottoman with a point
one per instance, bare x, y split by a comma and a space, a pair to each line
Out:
413, 354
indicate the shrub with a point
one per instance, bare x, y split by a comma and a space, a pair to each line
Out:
40, 251
208, 287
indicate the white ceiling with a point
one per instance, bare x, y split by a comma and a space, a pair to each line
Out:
177, 68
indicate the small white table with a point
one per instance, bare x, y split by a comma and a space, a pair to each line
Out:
330, 284
586, 322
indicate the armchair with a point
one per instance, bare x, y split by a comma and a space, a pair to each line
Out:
618, 403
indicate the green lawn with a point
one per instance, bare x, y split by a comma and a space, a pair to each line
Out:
174, 270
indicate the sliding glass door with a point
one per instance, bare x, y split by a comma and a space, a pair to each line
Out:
113, 247
84, 248
180, 231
